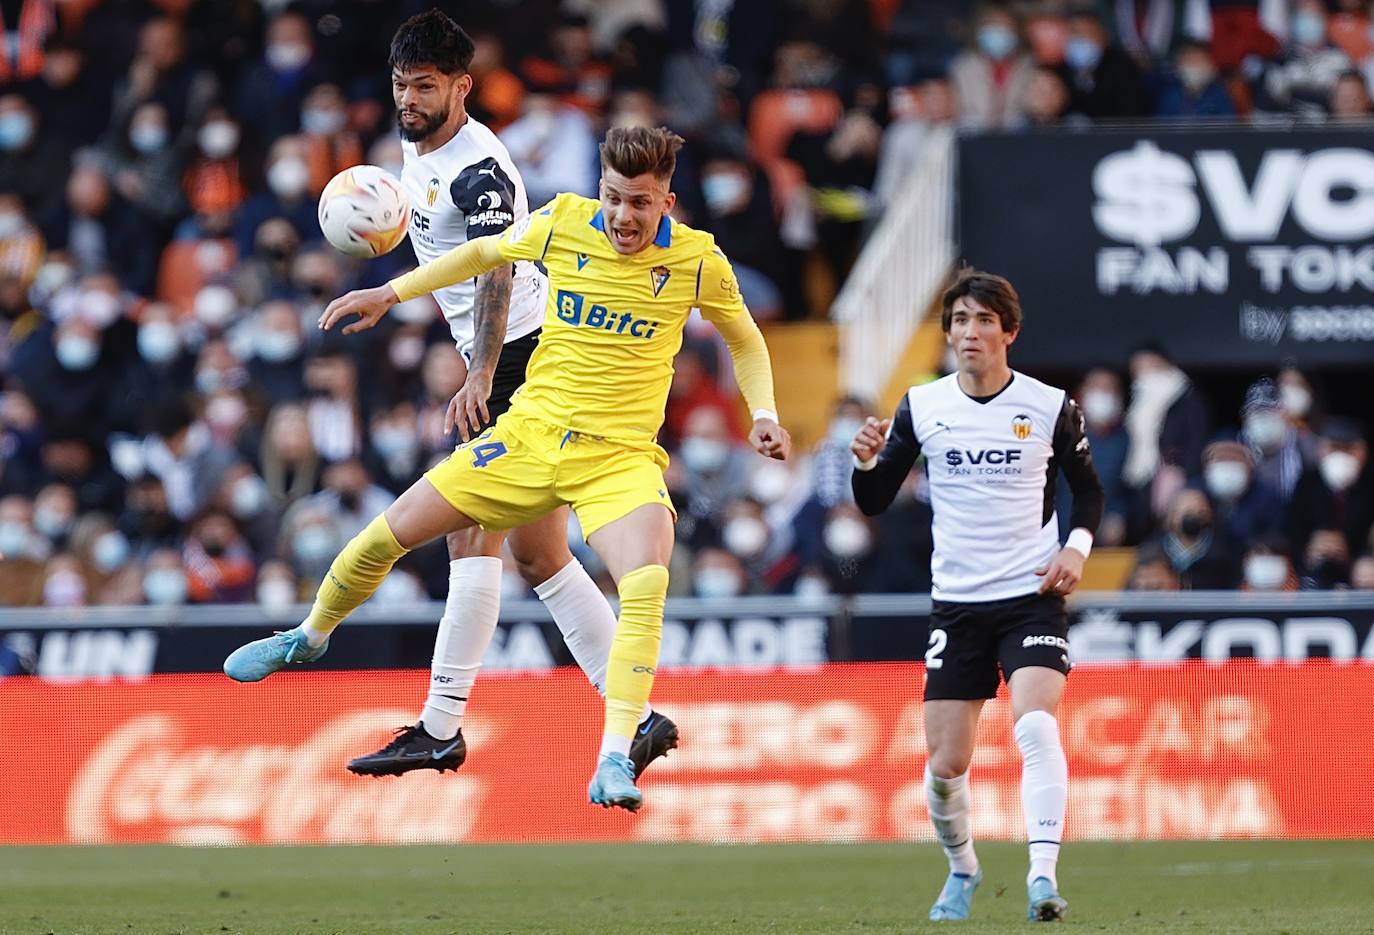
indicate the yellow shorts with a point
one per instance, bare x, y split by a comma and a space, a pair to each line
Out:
522, 468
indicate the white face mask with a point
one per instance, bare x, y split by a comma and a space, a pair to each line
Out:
1101, 407
811, 586
723, 190
110, 551
323, 121
745, 536
14, 539
77, 353
164, 587
226, 412
288, 178
1296, 400
770, 482
1265, 430
846, 537
842, 431
158, 342
1154, 383
1266, 572
704, 455
64, 589
314, 544
51, 523
1340, 469
288, 56
716, 582
215, 306
406, 352
249, 496
277, 347
276, 593
1226, 480
11, 223
218, 138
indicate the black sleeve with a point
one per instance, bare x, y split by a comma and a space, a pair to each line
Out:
485, 194
874, 489
1075, 458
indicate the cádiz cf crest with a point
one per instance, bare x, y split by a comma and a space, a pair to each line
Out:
432, 192
660, 275
1021, 426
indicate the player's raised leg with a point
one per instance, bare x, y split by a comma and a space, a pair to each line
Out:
1035, 694
950, 728
584, 618
471, 611
636, 549
418, 515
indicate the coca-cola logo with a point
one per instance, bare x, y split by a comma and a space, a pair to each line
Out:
150, 779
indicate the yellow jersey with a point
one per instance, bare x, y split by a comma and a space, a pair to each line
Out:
614, 322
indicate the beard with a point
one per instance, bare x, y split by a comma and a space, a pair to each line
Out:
428, 124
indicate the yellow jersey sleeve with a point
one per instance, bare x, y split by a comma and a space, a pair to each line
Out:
719, 298
529, 238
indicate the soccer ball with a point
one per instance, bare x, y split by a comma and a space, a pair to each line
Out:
364, 211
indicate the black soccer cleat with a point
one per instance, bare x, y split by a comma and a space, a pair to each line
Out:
654, 738
412, 749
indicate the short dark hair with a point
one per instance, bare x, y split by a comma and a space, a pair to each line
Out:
991, 291
633, 151
432, 38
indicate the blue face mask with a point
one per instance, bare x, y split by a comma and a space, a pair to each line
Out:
1308, 28
996, 41
1082, 53
16, 129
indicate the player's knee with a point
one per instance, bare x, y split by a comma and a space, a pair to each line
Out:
949, 764
469, 543
541, 565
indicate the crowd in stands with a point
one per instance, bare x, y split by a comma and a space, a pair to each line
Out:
174, 429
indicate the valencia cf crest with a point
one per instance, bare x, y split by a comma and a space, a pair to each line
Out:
1021, 427
432, 192
660, 275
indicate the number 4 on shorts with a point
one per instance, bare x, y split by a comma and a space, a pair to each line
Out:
487, 452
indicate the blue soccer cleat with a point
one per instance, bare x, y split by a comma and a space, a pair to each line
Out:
956, 898
260, 658
613, 785
1044, 904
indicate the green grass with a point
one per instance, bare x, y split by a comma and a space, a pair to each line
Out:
1266, 887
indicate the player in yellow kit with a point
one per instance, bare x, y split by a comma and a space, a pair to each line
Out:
623, 278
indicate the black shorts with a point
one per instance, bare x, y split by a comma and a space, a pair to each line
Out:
968, 642
508, 377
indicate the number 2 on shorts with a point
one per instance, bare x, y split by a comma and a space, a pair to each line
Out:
938, 639
487, 452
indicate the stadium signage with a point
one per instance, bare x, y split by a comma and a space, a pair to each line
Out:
1229, 246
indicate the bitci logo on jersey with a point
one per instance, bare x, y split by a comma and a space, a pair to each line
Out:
1021, 426
432, 192
569, 307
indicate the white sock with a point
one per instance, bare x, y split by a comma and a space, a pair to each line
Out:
948, 800
465, 630
614, 743
1044, 788
313, 636
585, 619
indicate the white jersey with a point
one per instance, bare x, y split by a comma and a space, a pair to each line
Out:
469, 187
993, 463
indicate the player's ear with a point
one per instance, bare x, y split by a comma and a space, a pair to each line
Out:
669, 202
463, 85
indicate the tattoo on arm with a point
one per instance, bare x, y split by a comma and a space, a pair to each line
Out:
489, 314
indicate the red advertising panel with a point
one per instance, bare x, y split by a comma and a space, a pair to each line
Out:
831, 753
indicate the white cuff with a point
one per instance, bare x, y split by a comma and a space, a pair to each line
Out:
768, 414
1081, 541
868, 465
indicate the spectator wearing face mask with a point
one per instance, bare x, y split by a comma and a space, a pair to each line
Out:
98, 231
160, 368
165, 581
1266, 566
72, 457
214, 178
182, 453
275, 369
1300, 402
349, 498
147, 520
739, 213
1299, 84
266, 275
286, 195
330, 144
67, 370
695, 387
277, 590
394, 455
1104, 81
219, 564
1339, 493
715, 464
1282, 453
33, 165
270, 91
1153, 571
1244, 507
554, 147
1102, 400
145, 162
1325, 561
1192, 90
992, 78
65, 584
1167, 426
1193, 547
23, 551
718, 574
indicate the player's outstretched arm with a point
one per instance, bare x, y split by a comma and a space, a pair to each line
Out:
754, 374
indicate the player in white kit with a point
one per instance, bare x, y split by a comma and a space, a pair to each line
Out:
994, 441
463, 184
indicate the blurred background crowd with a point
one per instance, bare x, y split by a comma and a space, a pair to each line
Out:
174, 429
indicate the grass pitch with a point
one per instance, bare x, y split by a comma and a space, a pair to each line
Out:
1264, 888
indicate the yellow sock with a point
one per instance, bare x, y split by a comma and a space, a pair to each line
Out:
354, 576
634, 651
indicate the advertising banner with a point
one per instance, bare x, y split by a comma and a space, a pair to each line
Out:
836, 752
1227, 246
